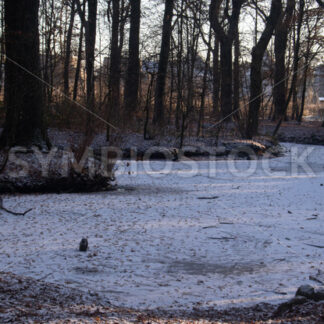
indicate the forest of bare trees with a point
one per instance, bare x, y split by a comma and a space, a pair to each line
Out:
161, 161
180, 67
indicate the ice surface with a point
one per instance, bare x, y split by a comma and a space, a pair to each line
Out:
154, 243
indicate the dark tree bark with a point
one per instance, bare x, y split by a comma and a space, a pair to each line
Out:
148, 106
24, 124
2, 47
281, 37
293, 88
78, 67
68, 50
216, 78
48, 62
226, 39
114, 69
204, 88
256, 69
90, 25
158, 117
133, 68
179, 67
236, 75
172, 81
302, 105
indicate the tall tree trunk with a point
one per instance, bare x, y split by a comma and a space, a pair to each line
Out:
281, 37
158, 117
90, 25
148, 106
179, 68
216, 78
226, 78
226, 39
172, 68
114, 69
256, 69
78, 67
204, 88
24, 124
293, 89
2, 45
192, 52
67, 58
236, 75
302, 105
90, 56
133, 68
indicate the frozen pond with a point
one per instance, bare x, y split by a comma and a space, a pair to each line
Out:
179, 234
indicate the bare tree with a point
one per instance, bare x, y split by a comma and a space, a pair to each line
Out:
133, 68
158, 118
256, 66
204, 87
90, 25
114, 69
68, 49
280, 75
226, 39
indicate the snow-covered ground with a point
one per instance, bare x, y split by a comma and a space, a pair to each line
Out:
179, 234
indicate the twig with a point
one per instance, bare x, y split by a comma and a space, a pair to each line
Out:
314, 245
214, 197
222, 238
316, 279
12, 212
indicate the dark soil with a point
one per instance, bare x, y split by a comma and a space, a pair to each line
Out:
26, 300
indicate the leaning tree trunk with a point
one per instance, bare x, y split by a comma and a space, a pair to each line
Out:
256, 69
158, 117
24, 124
133, 68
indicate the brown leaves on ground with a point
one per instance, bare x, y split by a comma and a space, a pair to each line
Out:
23, 299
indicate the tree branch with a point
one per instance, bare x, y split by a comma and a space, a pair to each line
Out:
12, 212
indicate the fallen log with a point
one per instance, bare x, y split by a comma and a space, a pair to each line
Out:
31, 170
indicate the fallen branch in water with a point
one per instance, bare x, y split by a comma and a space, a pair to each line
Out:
314, 245
213, 197
12, 212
